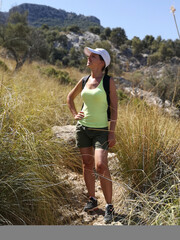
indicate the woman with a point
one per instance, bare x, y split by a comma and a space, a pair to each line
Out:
92, 134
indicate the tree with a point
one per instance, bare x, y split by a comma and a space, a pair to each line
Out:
38, 45
63, 40
166, 51
45, 27
95, 30
147, 41
103, 44
155, 44
74, 28
74, 57
15, 37
118, 37
57, 54
107, 32
177, 47
137, 46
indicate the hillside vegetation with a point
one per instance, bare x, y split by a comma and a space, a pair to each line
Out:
153, 62
41, 14
33, 189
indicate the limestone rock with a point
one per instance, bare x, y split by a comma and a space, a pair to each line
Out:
66, 133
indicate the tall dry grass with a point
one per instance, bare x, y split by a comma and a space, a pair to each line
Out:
148, 149
145, 136
32, 161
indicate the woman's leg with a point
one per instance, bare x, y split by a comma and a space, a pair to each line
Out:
101, 165
88, 165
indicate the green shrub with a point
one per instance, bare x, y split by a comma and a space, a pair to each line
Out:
61, 76
154, 58
122, 97
3, 66
74, 28
95, 30
57, 54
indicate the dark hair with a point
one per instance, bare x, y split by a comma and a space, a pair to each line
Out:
104, 68
106, 71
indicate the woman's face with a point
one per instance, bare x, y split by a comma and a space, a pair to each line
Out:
95, 61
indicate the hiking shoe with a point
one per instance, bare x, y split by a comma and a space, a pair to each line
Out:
109, 213
91, 205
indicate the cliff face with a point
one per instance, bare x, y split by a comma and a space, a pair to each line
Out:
3, 17
41, 14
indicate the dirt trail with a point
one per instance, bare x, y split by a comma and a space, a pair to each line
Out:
79, 195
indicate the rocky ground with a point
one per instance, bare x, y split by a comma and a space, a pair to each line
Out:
77, 216
78, 191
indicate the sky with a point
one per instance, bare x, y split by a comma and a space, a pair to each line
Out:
137, 17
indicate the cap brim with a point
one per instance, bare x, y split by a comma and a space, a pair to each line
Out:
102, 52
88, 51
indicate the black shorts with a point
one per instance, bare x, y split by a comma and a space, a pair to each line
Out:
91, 137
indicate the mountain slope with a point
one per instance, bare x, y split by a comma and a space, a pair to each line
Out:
41, 14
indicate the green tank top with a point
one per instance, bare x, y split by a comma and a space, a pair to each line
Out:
95, 107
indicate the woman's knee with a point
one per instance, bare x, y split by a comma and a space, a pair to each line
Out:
88, 165
101, 163
101, 167
88, 162
87, 158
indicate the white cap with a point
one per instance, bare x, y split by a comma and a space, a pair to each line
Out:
100, 51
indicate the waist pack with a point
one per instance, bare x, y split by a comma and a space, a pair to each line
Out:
106, 83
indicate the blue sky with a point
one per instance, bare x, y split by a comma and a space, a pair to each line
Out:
137, 17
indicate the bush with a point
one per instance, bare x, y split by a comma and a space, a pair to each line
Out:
61, 76
74, 29
3, 66
137, 79
107, 32
154, 58
103, 36
166, 86
57, 54
95, 30
74, 57
122, 97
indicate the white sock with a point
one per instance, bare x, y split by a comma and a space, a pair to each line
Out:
109, 204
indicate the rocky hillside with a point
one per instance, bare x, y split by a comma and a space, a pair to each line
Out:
126, 60
41, 14
3, 17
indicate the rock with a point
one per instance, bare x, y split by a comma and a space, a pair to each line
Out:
111, 155
66, 133
173, 112
175, 60
77, 40
152, 99
167, 104
122, 82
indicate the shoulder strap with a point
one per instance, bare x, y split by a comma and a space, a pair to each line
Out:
106, 85
106, 82
84, 81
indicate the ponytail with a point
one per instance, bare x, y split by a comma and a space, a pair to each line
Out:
104, 68
106, 71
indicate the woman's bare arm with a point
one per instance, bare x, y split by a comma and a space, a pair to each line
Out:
70, 100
